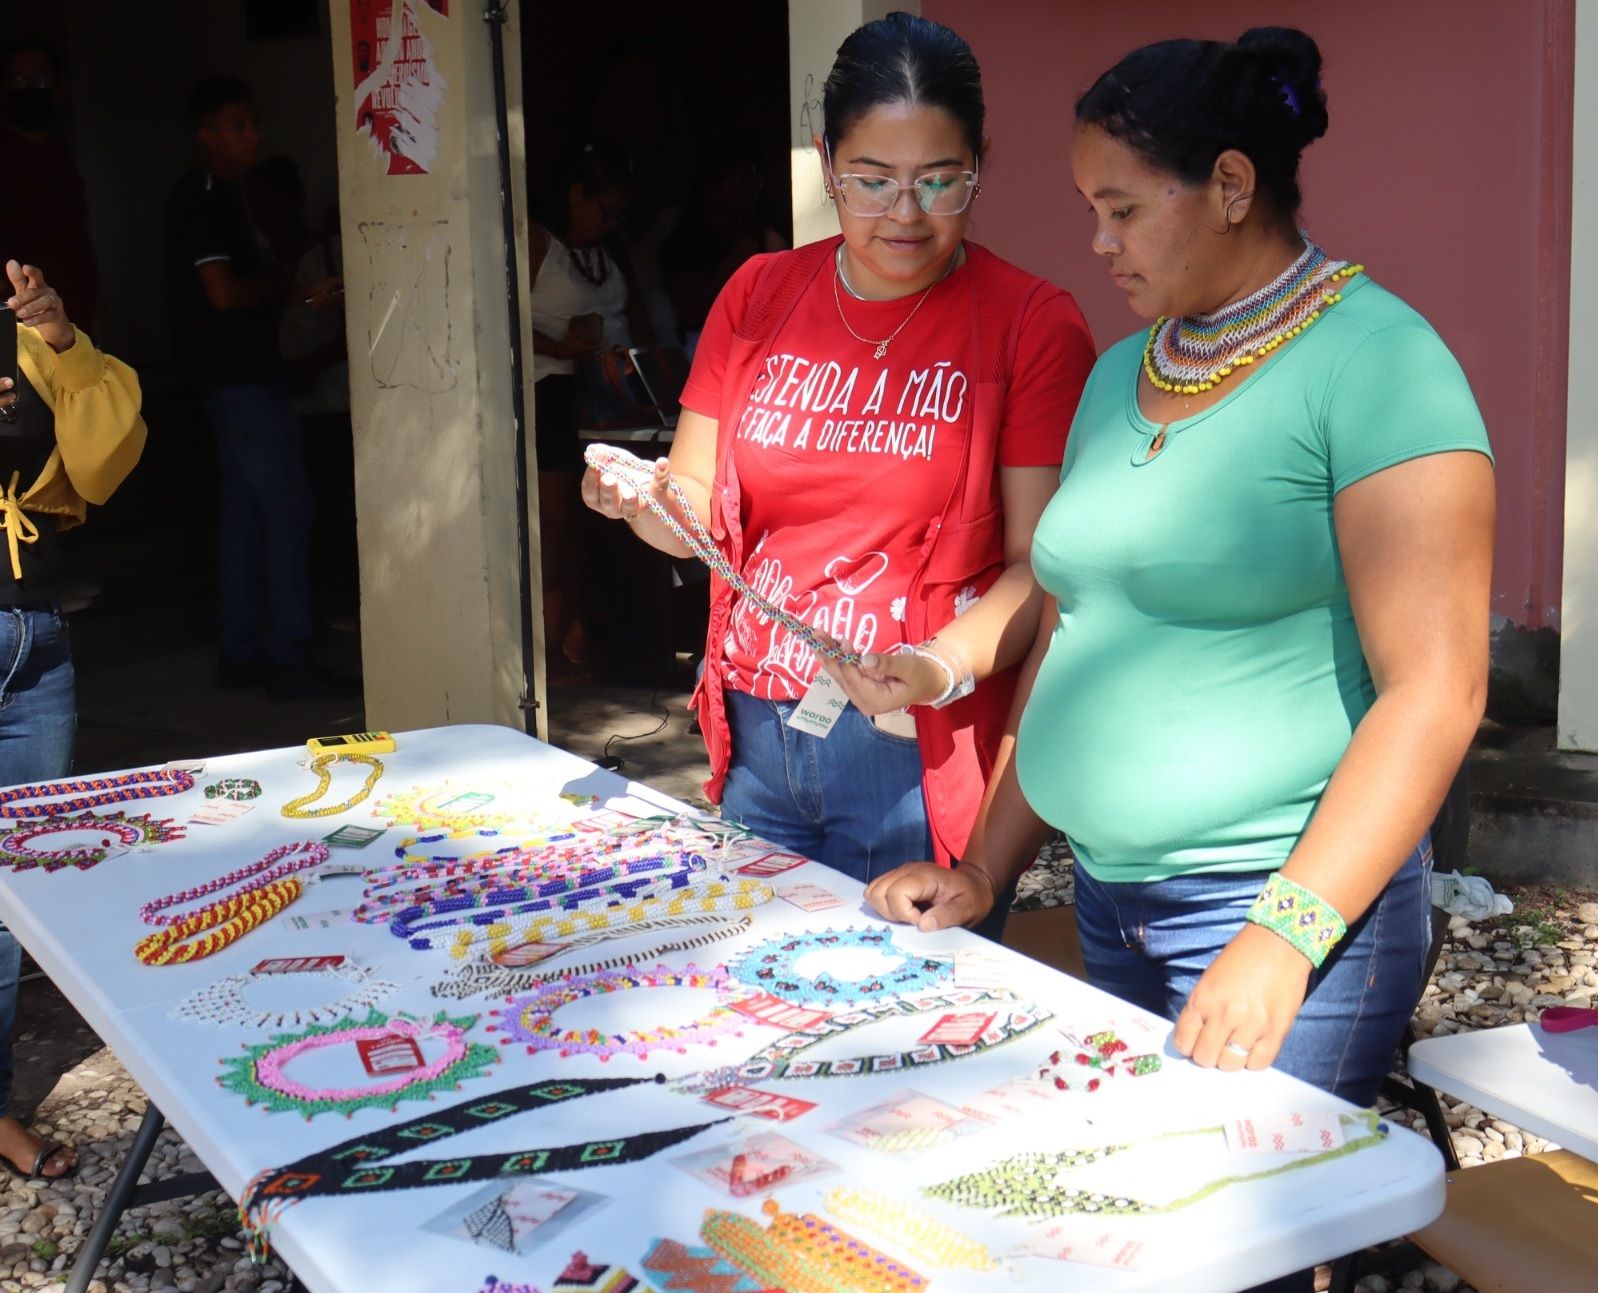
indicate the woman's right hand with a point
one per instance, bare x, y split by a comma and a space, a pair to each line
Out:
932, 897
612, 497
585, 335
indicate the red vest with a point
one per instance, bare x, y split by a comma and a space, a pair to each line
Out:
962, 547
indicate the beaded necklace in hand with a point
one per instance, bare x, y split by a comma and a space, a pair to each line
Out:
281, 862
738, 894
641, 476
1029, 1184
322, 766
1195, 353
96, 792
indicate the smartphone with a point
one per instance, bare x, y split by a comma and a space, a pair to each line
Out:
8, 361
352, 743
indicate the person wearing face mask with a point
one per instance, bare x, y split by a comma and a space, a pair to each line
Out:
44, 221
872, 426
1268, 564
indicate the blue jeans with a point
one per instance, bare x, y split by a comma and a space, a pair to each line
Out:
265, 539
851, 801
1148, 943
38, 720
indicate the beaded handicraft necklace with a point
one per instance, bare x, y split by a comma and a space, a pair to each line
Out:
263, 889
238, 789
918, 1233
1033, 1184
777, 1060
530, 1020
773, 966
484, 978
322, 766
445, 807
359, 1166
94, 792
226, 1004
259, 1074
1195, 353
803, 1253
641, 476
18, 853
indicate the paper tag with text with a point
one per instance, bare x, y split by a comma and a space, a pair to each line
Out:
219, 812
296, 964
771, 864
768, 1009
316, 922
820, 707
525, 954
382, 1055
1285, 1133
977, 968
352, 837
762, 1104
958, 1030
810, 897
1077, 1241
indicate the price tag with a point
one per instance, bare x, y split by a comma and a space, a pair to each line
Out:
525, 954
297, 964
1067, 1241
772, 864
762, 1104
810, 897
384, 1055
219, 812
352, 837
820, 707
958, 1030
768, 1009
1285, 1133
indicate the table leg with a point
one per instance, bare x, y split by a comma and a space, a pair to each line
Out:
126, 1192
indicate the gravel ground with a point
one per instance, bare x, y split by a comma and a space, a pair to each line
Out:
1490, 973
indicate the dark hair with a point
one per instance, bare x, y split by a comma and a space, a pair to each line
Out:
1182, 103
904, 59
598, 167
28, 45
213, 94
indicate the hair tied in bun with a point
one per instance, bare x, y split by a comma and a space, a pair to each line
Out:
1289, 96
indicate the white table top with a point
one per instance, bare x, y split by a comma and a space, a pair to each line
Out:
81, 927
1545, 1082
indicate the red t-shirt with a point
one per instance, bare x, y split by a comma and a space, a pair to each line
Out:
843, 458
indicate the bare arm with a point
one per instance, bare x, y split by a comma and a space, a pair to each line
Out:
1416, 542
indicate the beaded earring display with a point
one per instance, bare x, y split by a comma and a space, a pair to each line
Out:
359, 1166
484, 978
18, 853
802, 1253
1031, 1184
778, 1060
919, 1233
260, 1076
773, 967
226, 1004
530, 1021
94, 792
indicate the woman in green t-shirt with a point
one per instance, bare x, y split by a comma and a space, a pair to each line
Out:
1269, 562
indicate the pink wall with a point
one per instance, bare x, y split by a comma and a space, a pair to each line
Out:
1446, 170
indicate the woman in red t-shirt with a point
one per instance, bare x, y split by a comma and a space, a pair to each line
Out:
871, 430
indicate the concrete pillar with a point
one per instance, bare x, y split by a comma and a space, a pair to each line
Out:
1578, 651
815, 30
430, 385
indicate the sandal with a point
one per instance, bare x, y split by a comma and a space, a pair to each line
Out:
48, 1150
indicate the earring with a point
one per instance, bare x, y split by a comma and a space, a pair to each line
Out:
827, 189
976, 189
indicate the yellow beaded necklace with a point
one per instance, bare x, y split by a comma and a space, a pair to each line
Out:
322, 765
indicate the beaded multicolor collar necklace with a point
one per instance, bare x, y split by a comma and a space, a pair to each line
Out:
18, 853
95, 792
1195, 353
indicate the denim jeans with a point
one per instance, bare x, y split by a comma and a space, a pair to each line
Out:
38, 720
1148, 943
265, 506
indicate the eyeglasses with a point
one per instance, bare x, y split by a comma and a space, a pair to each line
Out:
937, 192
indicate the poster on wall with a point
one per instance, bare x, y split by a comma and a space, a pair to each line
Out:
398, 89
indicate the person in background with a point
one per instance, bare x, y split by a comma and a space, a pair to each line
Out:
44, 216
70, 432
227, 294
581, 304
874, 423
1268, 564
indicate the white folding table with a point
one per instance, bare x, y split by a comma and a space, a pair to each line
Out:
81, 927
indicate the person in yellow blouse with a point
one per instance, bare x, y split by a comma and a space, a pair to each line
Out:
70, 432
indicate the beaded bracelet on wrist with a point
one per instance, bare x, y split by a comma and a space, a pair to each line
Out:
93, 792
18, 853
1307, 921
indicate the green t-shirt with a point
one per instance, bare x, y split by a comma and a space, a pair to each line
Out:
1206, 675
